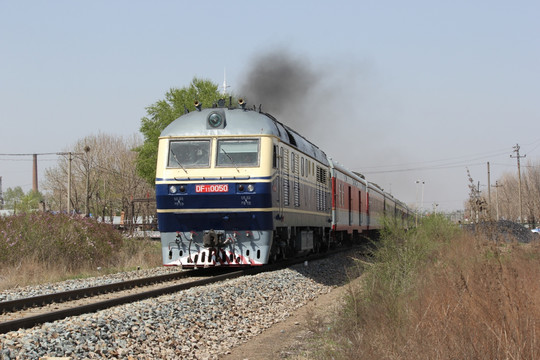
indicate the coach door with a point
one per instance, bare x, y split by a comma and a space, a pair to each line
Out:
350, 206
360, 208
368, 217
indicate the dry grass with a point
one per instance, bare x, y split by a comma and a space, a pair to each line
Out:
454, 297
140, 253
43, 247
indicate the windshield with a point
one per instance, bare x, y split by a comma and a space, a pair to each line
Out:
238, 152
189, 153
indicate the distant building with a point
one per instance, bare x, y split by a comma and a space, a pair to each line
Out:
6, 212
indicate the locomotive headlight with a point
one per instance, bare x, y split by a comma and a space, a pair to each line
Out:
248, 188
216, 120
173, 189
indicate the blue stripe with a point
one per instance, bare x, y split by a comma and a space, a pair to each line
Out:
168, 222
261, 197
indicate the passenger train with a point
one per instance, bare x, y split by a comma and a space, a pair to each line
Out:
236, 187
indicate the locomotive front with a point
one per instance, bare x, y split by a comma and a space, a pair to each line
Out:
214, 189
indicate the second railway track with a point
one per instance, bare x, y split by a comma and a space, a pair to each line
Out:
28, 312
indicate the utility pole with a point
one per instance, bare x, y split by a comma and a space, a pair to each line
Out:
417, 183
516, 150
497, 186
489, 188
34, 174
87, 150
70, 159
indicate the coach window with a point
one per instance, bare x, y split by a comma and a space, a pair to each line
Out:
242, 152
189, 153
302, 166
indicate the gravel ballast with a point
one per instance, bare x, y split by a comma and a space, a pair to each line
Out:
200, 323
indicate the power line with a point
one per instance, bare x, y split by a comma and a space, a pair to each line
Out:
435, 167
448, 161
55, 153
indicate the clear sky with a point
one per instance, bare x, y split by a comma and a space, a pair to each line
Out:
414, 90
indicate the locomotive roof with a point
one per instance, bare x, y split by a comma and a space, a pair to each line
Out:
241, 122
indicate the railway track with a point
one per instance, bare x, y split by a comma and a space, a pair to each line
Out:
33, 311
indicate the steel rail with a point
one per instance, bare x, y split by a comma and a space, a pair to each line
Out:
23, 303
30, 321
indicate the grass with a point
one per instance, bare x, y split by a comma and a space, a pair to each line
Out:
437, 292
42, 247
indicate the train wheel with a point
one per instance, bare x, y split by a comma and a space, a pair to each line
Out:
316, 247
275, 253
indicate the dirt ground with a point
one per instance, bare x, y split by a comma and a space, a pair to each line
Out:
289, 339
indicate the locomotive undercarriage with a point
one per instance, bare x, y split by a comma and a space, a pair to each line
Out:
242, 248
297, 241
216, 248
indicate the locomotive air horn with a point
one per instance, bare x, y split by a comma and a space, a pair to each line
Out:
242, 103
198, 105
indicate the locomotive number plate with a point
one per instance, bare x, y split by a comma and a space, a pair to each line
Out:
216, 188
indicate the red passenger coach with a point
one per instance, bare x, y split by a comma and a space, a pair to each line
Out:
350, 203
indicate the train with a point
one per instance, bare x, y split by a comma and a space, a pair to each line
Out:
235, 187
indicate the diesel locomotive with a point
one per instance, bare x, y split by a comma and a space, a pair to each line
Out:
236, 187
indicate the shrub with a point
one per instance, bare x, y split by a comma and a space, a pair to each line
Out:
437, 292
57, 238
43, 247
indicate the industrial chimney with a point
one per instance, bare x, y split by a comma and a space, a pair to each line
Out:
34, 175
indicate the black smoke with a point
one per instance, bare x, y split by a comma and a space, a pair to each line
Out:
283, 85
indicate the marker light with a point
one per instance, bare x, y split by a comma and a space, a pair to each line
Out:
173, 189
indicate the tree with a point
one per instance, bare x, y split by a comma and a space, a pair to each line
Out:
12, 197
104, 180
17, 200
31, 201
507, 193
162, 113
477, 204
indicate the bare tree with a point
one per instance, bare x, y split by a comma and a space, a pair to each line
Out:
104, 179
532, 192
508, 194
476, 205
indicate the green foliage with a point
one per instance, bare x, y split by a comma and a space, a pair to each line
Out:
162, 113
19, 201
13, 196
31, 201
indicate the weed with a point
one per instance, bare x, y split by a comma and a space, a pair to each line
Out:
439, 293
42, 247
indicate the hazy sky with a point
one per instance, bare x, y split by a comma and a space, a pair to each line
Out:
403, 90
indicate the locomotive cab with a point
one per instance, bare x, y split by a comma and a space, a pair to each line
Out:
213, 189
